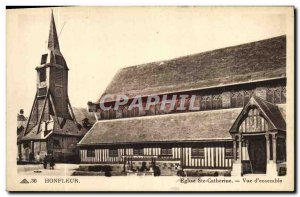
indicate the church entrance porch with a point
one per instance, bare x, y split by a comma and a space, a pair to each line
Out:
258, 139
255, 154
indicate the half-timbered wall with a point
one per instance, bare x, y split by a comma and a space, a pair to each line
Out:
102, 155
215, 155
218, 98
253, 122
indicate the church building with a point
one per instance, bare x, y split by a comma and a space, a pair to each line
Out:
52, 127
240, 125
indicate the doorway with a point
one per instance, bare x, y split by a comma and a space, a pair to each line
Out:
257, 153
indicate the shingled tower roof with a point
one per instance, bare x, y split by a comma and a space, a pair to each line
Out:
53, 43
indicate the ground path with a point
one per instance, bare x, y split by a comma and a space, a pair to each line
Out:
60, 169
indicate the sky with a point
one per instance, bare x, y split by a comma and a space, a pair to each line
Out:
96, 42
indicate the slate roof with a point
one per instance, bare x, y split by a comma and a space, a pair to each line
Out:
69, 128
254, 61
192, 126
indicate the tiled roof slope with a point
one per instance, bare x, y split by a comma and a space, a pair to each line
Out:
254, 61
192, 126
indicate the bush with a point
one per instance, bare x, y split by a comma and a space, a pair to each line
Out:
106, 168
197, 173
98, 168
95, 168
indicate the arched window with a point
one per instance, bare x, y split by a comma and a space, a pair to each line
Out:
240, 99
234, 96
247, 96
276, 94
237, 99
217, 101
208, 102
270, 95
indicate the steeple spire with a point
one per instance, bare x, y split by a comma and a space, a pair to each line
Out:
53, 43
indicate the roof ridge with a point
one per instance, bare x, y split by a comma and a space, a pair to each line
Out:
170, 115
193, 54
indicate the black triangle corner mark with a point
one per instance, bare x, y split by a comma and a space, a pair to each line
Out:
24, 181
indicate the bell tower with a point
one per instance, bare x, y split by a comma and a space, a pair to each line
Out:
51, 100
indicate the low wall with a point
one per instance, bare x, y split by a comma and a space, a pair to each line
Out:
167, 168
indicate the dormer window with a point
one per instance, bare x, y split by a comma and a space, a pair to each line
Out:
44, 59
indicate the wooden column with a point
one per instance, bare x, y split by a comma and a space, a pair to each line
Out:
234, 150
268, 147
274, 147
240, 150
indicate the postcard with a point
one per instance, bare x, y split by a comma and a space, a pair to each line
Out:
150, 99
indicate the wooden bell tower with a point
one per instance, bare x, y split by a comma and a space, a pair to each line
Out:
51, 100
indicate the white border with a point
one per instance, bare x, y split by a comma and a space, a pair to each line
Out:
103, 3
